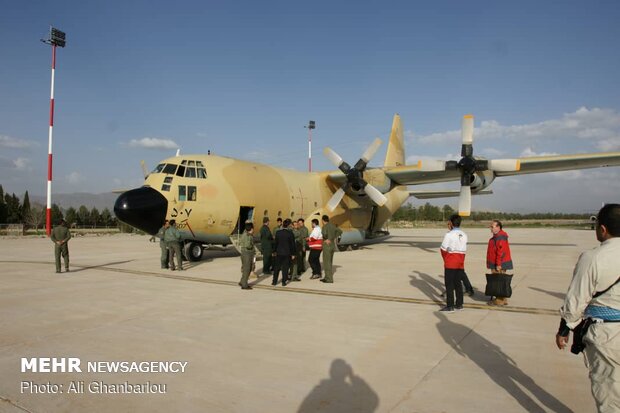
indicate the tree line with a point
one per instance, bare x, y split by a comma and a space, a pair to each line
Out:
12, 211
428, 212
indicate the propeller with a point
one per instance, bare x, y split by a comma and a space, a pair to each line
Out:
144, 170
468, 165
354, 176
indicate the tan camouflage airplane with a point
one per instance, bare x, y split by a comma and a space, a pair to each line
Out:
211, 197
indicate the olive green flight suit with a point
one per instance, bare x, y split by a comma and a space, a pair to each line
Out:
295, 273
330, 232
266, 248
301, 259
60, 236
172, 236
246, 246
162, 245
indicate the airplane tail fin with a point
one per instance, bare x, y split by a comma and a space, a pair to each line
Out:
396, 146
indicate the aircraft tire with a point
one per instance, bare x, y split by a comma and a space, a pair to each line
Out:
193, 251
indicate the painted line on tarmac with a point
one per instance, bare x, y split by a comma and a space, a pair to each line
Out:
363, 296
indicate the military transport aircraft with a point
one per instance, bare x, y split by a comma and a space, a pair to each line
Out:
211, 197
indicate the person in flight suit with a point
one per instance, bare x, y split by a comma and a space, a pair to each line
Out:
277, 227
172, 236
285, 252
60, 236
246, 246
266, 246
295, 273
330, 234
301, 260
162, 245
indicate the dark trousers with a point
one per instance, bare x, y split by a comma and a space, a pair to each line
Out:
315, 261
466, 283
267, 260
453, 285
283, 263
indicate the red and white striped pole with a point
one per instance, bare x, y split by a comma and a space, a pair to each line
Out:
48, 211
309, 150
311, 125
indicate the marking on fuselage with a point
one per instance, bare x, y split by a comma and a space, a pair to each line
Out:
289, 289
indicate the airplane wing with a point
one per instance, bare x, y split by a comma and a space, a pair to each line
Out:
415, 175
424, 194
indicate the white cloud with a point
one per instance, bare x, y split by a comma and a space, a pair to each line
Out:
14, 143
153, 143
599, 125
75, 178
527, 152
21, 163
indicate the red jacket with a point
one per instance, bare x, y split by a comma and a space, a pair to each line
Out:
498, 252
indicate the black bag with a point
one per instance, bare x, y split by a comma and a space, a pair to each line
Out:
579, 333
498, 285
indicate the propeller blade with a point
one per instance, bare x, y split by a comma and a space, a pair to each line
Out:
467, 129
335, 199
504, 165
432, 165
374, 194
333, 157
371, 150
465, 201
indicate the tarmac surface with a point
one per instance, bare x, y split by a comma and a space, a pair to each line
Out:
373, 341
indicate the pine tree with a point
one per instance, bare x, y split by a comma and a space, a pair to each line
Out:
25, 213
3, 208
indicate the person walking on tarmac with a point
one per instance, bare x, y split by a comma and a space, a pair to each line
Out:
453, 249
172, 236
246, 246
162, 245
498, 256
266, 246
330, 234
60, 236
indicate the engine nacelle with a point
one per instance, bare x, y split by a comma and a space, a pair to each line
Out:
482, 179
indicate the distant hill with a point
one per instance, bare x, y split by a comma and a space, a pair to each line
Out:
64, 201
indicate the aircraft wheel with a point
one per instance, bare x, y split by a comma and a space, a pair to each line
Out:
193, 251
343, 248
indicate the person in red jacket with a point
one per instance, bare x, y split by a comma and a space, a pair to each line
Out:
498, 256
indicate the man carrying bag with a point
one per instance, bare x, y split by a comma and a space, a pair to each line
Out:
498, 261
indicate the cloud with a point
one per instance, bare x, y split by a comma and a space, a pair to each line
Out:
21, 163
74, 178
153, 143
527, 152
14, 143
599, 125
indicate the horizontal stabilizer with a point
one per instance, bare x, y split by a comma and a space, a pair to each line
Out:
430, 194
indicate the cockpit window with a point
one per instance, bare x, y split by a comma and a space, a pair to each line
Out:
181, 170
169, 169
183, 162
190, 172
202, 173
191, 163
199, 163
158, 168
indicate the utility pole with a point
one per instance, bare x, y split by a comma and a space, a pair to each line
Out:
56, 38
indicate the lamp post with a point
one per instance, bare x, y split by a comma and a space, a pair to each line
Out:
311, 125
56, 38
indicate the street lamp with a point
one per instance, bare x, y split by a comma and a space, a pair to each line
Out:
56, 38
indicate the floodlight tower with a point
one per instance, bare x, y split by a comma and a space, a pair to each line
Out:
311, 125
56, 38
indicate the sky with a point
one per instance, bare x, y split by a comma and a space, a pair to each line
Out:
139, 79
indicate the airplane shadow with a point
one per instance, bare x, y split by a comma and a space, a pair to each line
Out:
343, 391
431, 246
498, 366
551, 293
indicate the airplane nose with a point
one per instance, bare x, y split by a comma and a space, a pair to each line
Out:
143, 208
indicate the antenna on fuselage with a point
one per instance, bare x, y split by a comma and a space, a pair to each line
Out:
178, 152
